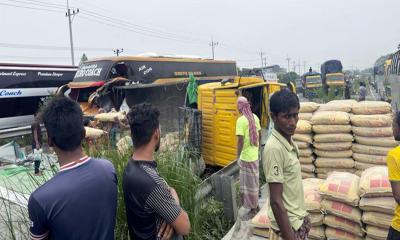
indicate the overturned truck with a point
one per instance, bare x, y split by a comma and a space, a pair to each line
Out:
121, 82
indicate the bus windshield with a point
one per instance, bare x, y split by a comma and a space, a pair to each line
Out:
314, 79
93, 71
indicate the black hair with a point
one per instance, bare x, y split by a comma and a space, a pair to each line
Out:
143, 121
283, 101
63, 119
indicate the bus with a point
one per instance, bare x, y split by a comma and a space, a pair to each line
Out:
110, 82
24, 87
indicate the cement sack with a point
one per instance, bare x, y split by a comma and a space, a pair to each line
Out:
379, 204
322, 175
317, 233
369, 159
341, 186
305, 175
371, 108
308, 107
333, 154
349, 102
340, 146
342, 210
376, 232
321, 129
302, 138
330, 118
306, 160
312, 198
110, 116
305, 116
331, 170
261, 232
302, 145
308, 168
371, 120
381, 220
333, 138
343, 224
303, 127
261, 220
358, 172
337, 163
370, 150
306, 152
364, 166
316, 219
374, 182
94, 133
337, 234
377, 141
373, 132
339, 107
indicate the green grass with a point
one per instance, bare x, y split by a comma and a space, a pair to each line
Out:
206, 216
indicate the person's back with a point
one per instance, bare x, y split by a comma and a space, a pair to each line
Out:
363, 92
79, 202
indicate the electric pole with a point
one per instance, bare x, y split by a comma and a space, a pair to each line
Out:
262, 58
288, 64
213, 45
118, 51
294, 66
71, 12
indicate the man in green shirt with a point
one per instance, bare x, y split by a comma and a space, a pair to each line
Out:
287, 213
248, 138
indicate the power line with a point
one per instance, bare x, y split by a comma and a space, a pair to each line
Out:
32, 8
50, 47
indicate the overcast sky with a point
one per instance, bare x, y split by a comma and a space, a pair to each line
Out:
310, 31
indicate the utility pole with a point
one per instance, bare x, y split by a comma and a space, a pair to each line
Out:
71, 12
299, 67
262, 58
294, 66
213, 45
304, 66
118, 51
288, 64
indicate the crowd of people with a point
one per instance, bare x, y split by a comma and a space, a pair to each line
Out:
80, 201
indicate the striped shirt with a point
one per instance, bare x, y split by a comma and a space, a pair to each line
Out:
148, 200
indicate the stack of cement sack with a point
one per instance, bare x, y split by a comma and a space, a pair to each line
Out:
372, 127
307, 109
303, 139
377, 202
332, 142
312, 200
340, 200
261, 222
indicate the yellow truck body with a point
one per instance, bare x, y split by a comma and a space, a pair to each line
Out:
218, 105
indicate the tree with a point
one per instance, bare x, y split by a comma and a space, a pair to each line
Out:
83, 59
288, 77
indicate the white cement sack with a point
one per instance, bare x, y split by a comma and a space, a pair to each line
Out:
377, 141
371, 107
333, 138
333, 163
374, 182
340, 146
321, 129
341, 186
373, 132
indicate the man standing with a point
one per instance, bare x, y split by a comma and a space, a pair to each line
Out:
36, 143
288, 215
248, 142
363, 92
152, 207
80, 201
393, 163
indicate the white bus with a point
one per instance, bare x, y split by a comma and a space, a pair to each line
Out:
24, 86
